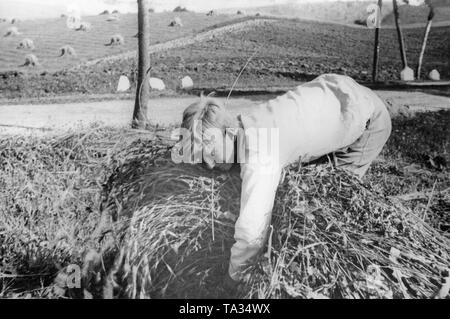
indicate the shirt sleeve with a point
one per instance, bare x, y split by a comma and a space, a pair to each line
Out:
259, 185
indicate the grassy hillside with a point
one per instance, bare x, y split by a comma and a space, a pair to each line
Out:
289, 51
49, 35
340, 12
348, 12
410, 14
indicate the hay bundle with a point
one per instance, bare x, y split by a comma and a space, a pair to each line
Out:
113, 17
156, 84
335, 237
84, 26
67, 50
31, 60
11, 32
106, 12
116, 40
26, 44
180, 9
176, 22
332, 236
167, 245
239, 12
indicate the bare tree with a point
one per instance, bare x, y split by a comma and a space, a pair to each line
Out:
425, 36
140, 119
401, 42
376, 50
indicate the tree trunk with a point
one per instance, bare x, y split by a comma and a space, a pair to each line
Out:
376, 50
140, 119
425, 38
401, 42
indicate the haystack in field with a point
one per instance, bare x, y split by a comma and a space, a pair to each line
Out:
156, 84
84, 26
434, 75
67, 50
31, 60
11, 32
104, 12
180, 9
124, 84
186, 83
176, 22
113, 17
26, 44
332, 237
116, 39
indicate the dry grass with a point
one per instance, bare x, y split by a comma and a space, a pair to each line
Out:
51, 190
335, 237
110, 201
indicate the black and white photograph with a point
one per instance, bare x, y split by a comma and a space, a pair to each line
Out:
237, 152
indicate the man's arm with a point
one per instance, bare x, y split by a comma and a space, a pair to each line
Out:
259, 185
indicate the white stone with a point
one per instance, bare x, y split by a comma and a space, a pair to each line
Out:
156, 84
187, 83
124, 84
407, 74
434, 75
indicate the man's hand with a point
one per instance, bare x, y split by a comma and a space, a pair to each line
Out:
230, 285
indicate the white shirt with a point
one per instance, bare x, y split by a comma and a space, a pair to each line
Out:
316, 118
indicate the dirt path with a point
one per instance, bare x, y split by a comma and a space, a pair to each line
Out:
58, 118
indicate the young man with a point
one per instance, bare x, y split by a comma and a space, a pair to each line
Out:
330, 115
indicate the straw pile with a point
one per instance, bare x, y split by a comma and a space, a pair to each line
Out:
174, 226
332, 237
335, 237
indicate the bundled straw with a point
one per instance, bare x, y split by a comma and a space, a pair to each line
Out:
333, 236
176, 222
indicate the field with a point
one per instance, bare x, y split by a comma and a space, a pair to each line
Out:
53, 192
413, 15
49, 35
287, 51
350, 12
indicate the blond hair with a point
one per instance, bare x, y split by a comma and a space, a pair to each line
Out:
211, 112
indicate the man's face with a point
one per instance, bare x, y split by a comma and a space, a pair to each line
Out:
218, 151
